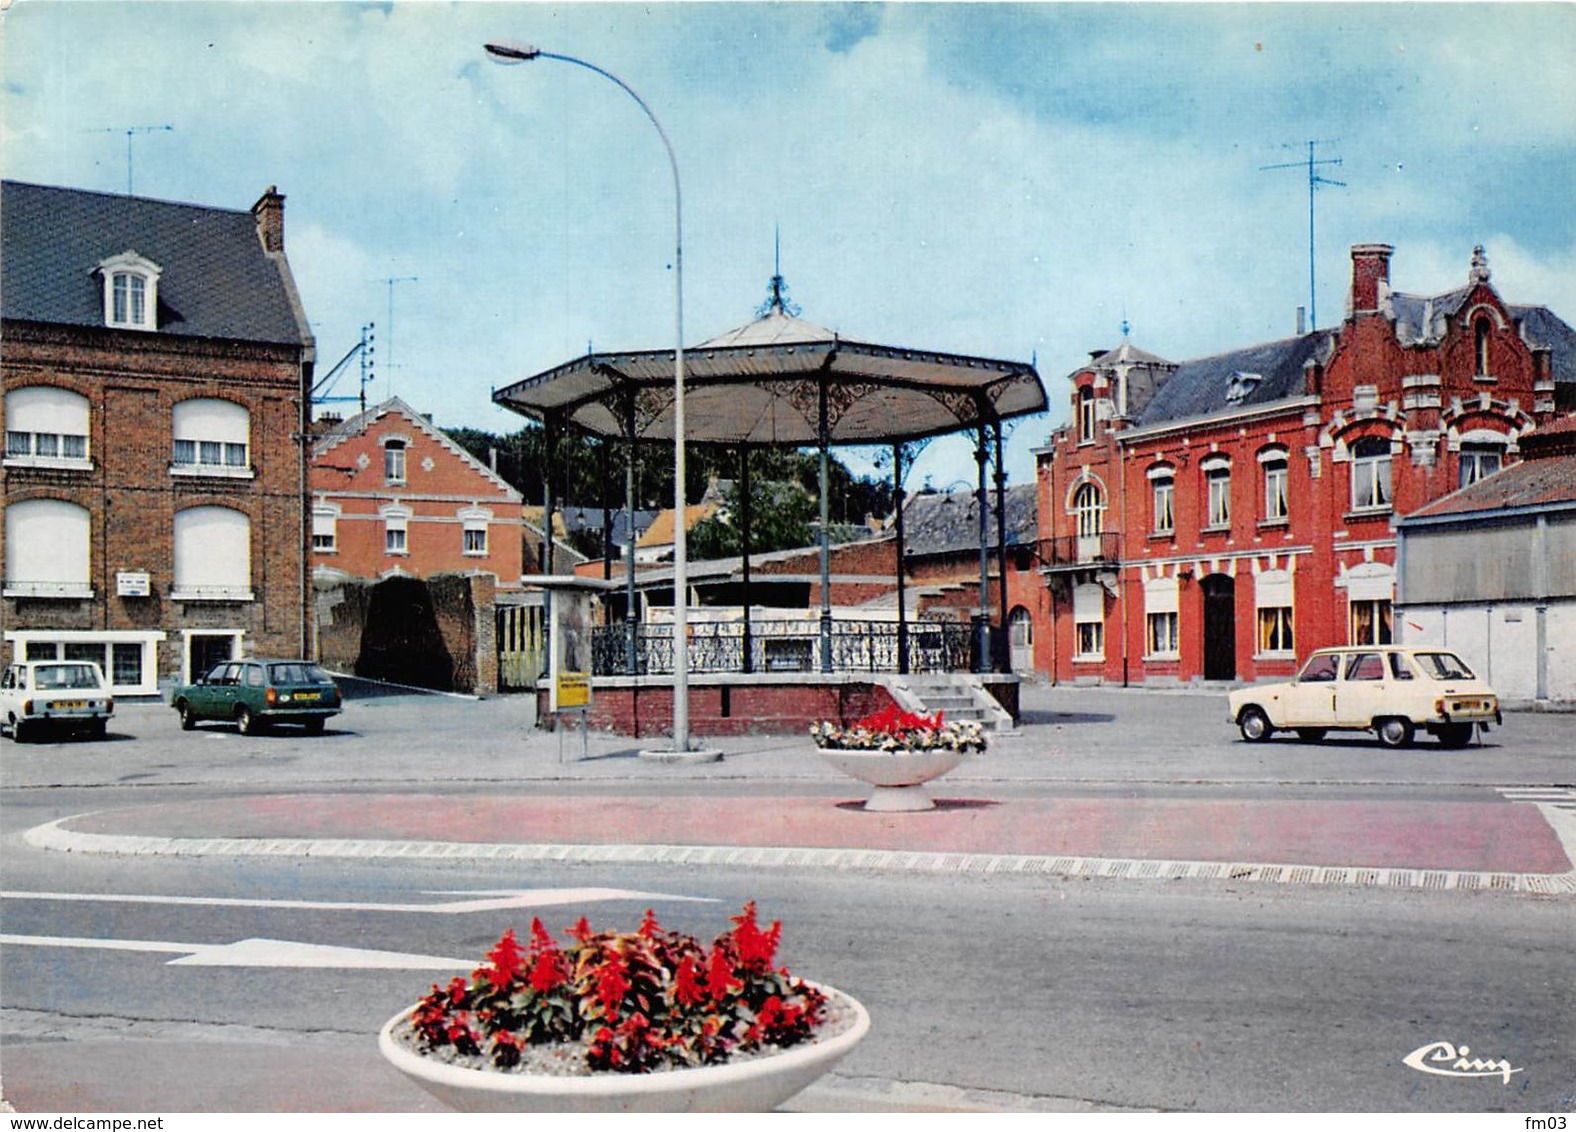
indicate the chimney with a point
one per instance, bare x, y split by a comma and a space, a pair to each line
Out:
1302, 321
1370, 276
1312, 377
269, 212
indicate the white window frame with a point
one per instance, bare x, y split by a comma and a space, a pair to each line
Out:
1217, 493
325, 526
1273, 601
1380, 621
474, 521
119, 274
1088, 419
1372, 487
396, 531
46, 644
48, 549
1162, 603
396, 456
1276, 466
1163, 500
1474, 455
213, 555
47, 427
211, 437
1089, 622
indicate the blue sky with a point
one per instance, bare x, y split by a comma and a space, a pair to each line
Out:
1008, 180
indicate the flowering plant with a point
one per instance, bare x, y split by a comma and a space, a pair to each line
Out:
621, 1002
893, 729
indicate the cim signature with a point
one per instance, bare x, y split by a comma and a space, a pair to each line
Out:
1446, 1060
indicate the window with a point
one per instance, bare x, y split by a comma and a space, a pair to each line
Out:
1086, 415
213, 555
394, 461
47, 549
1365, 666
396, 521
1089, 621
131, 292
1479, 460
1217, 480
211, 438
1275, 630
1162, 633
1371, 474
1162, 485
126, 664
1089, 510
1371, 622
1399, 669
325, 530
46, 427
1275, 485
476, 539
1320, 669
473, 522
1482, 332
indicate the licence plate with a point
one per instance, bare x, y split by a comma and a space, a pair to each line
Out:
68, 705
308, 697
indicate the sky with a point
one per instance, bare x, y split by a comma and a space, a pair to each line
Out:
1008, 180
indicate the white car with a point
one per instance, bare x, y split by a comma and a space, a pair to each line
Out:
65, 694
1390, 690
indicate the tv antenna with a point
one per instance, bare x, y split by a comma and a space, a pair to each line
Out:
388, 328
130, 132
325, 384
1314, 181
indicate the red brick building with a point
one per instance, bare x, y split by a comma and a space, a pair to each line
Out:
1215, 519
156, 370
393, 495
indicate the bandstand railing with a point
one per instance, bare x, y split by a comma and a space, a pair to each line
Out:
856, 646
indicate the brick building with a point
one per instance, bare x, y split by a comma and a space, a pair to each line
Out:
1215, 519
156, 368
393, 495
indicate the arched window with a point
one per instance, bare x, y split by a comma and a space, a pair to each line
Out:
1482, 330
1217, 484
1371, 474
213, 555
46, 549
1162, 489
1089, 509
212, 437
131, 292
394, 461
1479, 459
1275, 470
46, 427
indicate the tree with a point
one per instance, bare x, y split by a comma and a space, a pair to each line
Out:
781, 515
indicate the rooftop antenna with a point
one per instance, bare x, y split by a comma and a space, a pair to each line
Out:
1314, 181
388, 328
130, 132
325, 384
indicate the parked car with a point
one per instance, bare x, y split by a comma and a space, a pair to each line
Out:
1387, 689
63, 694
253, 694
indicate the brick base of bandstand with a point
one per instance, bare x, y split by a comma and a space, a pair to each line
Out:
768, 703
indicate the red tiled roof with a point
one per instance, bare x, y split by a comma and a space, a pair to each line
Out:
1531, 483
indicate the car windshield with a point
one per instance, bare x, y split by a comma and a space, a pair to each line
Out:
1443, 666
297, 674
65, 676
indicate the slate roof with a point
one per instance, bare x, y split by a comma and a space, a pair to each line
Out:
1203, 386
217, 281
1541, 327
949, 522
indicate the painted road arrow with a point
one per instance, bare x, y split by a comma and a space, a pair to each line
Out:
256, 953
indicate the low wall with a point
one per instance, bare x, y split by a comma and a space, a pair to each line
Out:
433, 633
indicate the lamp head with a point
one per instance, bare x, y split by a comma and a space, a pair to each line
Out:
509, 51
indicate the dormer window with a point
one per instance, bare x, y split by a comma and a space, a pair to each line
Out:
1240, 385
131, 292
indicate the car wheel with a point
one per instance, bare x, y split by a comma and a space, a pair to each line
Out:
1254, 725
20, 731
247, 722
314, 726
188, 718
1310, 734
1456, 735
1394, 732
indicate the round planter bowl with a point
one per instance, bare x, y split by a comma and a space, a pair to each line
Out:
898, 777
757, 1085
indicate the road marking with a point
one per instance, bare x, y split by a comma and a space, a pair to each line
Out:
256, 953
489, 900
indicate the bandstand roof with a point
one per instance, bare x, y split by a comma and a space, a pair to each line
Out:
760, 384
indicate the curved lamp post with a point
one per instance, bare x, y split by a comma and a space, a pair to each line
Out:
507, 52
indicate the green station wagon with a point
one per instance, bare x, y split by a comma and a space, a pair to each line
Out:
254, 694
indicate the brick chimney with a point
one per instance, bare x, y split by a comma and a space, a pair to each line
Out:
1370, 276
269, 212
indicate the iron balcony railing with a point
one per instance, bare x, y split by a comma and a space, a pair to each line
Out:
1066, 551
856, 646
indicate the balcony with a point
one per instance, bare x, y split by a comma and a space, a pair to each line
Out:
1068, 552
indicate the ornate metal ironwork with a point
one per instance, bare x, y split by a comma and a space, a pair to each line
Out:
718, 647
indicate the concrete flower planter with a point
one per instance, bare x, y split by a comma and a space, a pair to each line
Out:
898, 777
758, 1084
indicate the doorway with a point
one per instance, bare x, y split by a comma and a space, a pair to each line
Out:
204, 650
1220, 626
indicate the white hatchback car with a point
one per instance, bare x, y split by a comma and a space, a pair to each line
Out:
1390, 690
35, 694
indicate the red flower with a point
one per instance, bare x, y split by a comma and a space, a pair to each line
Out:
719, 973
649, 928
756, 948
687, 986
508, 961
611, 985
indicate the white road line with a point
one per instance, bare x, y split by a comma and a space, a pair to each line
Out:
492, 900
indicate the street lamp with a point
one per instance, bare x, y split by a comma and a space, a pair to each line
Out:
508, 52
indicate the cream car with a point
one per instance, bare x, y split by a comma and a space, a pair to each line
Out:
1387, 689
63, 694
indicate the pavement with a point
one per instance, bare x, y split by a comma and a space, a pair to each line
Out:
1035, 803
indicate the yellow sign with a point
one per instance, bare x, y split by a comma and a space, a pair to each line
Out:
574, 690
